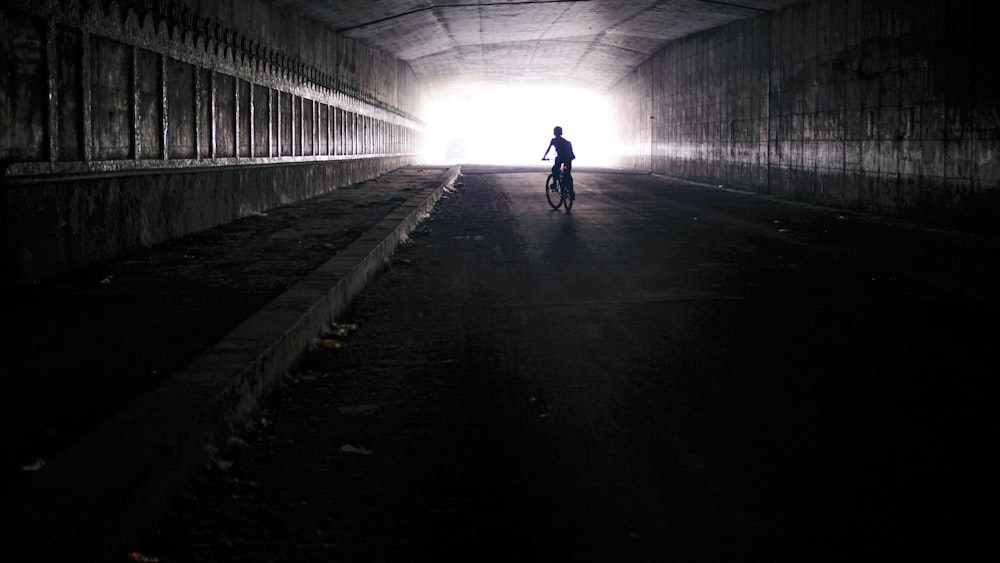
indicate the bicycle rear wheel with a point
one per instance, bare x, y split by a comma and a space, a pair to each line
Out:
555, 196
566, 187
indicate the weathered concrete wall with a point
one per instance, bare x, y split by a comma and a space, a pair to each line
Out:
884, 106
124, 124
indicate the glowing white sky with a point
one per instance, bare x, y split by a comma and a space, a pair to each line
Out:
513, 125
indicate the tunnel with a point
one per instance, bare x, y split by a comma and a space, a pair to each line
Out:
814, 180
126, 124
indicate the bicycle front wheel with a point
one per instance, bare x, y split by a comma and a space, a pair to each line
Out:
555, 196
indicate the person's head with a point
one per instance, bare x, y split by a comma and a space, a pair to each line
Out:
557, 131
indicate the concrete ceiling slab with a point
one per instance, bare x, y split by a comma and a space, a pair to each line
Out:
584, 43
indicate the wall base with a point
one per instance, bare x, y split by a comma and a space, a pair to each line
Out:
50, 228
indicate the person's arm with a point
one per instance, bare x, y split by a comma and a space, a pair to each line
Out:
546, 155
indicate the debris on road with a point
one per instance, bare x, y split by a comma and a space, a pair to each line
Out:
342, 330
35, 465
331, 343
355, 450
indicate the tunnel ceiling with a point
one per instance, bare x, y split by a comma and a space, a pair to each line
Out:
589, 43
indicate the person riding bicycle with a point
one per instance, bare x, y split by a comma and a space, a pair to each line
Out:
564, 154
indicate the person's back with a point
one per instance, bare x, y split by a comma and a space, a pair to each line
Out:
564, 149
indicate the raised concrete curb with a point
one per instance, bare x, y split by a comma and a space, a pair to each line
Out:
113, 486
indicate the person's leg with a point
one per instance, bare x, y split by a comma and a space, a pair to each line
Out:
568, 180
555, 170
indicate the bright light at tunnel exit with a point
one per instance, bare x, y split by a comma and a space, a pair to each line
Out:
513, 125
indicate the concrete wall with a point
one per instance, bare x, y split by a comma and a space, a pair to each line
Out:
885, 106
127, 123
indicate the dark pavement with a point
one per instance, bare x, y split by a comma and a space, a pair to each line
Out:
748, 379
115, 380
668, 373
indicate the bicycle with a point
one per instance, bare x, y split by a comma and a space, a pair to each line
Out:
559, 191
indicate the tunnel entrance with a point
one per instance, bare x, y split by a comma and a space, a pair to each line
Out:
513, 124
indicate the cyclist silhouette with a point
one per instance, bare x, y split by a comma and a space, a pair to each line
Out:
564, 154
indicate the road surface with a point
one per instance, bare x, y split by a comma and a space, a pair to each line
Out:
670, 372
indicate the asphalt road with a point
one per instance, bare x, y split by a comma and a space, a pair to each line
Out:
670, 372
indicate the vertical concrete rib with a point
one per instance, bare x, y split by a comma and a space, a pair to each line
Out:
136, 117
165, 118
253, 119
329, 129
52, 71
87, 113
292, 122
214, 122
198, 122
236, 115
273, 131
767, 105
